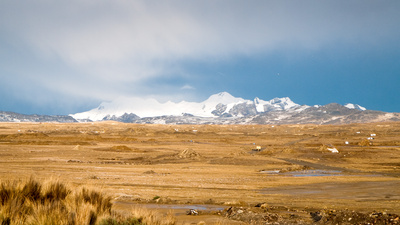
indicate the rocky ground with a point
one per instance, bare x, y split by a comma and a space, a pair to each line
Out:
278, 215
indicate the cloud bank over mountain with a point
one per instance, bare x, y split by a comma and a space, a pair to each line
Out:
90, 51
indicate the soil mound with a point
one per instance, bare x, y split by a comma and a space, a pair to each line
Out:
149, 172
189, 154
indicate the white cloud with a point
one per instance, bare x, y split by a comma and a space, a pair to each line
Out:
187, 87
112, 44
84, 32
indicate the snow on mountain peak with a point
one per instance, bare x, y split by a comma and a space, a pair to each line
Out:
215, 105
224, 98
274, 104
355, 106
285, 102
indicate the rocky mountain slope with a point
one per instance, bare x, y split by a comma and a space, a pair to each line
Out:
16, 117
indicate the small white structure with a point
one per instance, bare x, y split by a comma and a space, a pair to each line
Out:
346, 142
333, 150
373, 135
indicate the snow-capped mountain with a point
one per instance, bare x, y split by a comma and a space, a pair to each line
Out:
354, 106
221, 104
221, 108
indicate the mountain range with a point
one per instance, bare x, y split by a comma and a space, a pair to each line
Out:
17, 117
221, 104
221, 108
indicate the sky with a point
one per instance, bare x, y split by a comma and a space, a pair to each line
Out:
64, 57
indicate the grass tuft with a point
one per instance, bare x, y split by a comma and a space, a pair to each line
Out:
32, 191
153, 217
33, 204
101, 202
56, 192
92, 218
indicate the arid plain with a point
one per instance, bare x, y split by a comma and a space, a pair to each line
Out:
223, 171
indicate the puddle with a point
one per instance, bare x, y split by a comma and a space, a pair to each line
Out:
305, 173
314, 173
179, 209
207, 213
186, 207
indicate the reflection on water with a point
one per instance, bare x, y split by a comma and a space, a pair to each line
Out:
314, 173
304, 173
178, 209
186, 207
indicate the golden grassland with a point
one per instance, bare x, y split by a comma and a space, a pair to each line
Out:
212, 164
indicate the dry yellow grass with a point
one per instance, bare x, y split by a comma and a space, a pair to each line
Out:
33, 203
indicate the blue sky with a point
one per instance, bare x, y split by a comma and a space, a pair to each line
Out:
66, 57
